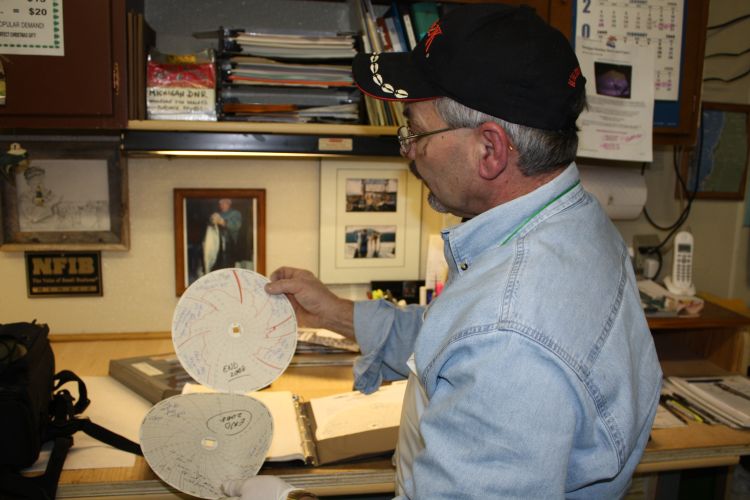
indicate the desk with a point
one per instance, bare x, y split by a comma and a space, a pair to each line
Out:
711, 352
89, 355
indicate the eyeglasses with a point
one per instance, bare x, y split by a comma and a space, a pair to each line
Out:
406, 138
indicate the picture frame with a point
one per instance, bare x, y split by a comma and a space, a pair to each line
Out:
67, 193
370, 221
721, 154
216, 229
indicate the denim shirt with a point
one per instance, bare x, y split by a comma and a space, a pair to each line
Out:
539, 368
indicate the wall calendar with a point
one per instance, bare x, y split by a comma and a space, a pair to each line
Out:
657, 23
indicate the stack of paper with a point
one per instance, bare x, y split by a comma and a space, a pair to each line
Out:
322, 340
287, 77
723, 400
263, 71
290, 46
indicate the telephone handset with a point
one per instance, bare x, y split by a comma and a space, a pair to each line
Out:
681, 281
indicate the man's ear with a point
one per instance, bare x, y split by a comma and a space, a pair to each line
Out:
495, 146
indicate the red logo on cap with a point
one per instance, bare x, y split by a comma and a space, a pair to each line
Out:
573, 77
431, 34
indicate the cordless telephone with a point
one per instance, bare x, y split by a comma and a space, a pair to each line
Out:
681, 281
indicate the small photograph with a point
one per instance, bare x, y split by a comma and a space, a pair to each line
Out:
370, 242
371, 195
613, 80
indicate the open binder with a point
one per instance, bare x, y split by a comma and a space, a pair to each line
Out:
330, 429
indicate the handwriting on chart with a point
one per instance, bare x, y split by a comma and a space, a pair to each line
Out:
195, 442
230, 334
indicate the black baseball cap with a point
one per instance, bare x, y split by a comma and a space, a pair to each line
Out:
498, 59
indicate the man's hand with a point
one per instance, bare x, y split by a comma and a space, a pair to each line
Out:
314, 304
263, 488
216, 218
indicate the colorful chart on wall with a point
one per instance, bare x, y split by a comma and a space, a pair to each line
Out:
196, 442
230, 334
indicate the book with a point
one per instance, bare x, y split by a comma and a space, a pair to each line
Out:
153, 377
160, 376
423, 14
330, 429
408, 26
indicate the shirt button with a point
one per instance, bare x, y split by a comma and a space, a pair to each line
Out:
464, 266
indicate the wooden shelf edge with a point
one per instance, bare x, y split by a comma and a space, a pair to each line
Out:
266, 128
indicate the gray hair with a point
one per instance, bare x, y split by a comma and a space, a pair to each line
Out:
539, 151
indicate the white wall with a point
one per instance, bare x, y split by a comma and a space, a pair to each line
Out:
139, 284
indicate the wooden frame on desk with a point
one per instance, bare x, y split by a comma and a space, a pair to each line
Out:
202, 246
70, 193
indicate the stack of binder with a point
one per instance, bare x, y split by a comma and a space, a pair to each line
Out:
287, 77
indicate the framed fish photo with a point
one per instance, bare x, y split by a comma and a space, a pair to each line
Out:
218, 229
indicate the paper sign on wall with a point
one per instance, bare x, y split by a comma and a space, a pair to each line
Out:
32, 27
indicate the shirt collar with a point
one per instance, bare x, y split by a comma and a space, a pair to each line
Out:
465, 241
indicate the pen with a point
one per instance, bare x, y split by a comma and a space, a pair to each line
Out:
663, 402
675, 405
706, 416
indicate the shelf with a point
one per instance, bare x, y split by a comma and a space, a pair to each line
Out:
712, 316
320, 129
203, 138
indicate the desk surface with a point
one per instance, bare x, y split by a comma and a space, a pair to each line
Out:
697, 445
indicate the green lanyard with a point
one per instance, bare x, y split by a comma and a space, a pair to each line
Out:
526, 221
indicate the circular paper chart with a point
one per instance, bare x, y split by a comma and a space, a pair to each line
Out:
195, 442
232, 336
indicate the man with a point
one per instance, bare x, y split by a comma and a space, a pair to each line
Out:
533, 374
221, 241
38, 203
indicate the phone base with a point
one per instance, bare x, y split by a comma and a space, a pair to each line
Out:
679, 290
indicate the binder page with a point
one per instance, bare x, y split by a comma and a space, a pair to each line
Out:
287, 440
352, 412
286, 443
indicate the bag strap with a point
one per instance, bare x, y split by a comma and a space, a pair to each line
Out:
64, 421
61, 378
42, 487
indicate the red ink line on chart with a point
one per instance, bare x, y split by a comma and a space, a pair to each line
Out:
273, 328
266, 362
193, 336
201, 301
239, 285
215, 292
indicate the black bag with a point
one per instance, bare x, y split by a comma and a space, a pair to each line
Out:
35, 408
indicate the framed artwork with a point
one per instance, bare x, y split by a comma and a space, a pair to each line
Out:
64, 194
718, 164
369, 221
217, 229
